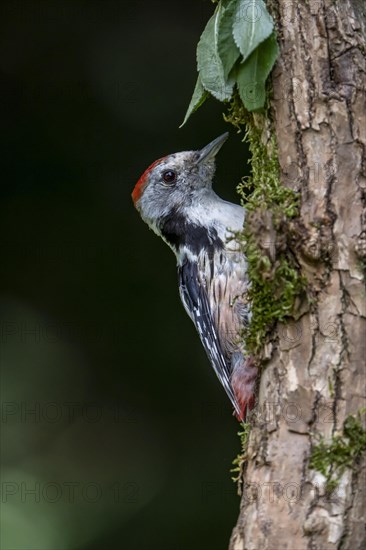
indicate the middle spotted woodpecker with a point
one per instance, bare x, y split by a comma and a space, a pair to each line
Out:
174, 196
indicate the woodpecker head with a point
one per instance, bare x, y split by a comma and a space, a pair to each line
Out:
175, 183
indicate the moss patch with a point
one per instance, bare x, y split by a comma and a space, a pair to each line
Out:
240, 460
331, 459
273, 272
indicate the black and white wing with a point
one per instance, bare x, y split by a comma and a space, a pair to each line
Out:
193, 293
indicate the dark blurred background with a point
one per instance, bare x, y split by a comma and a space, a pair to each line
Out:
116, 433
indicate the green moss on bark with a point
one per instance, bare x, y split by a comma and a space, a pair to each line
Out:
273, 272
240, 460
331, 459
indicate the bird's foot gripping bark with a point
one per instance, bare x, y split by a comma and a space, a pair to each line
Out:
243, 380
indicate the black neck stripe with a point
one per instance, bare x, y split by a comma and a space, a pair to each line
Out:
178, 232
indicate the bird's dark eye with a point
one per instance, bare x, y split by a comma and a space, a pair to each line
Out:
169, 176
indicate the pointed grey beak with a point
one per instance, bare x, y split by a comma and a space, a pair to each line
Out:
211, 150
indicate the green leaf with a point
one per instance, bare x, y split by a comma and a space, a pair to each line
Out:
252, 74
227, 49
252, 25
198, 98
209, 62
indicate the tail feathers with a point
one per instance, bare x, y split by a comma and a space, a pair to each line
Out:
243, 379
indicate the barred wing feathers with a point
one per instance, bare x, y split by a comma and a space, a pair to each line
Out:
193, 293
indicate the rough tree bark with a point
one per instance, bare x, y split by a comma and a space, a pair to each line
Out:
315, 377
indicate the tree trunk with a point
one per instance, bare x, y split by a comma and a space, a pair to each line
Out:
315, 378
